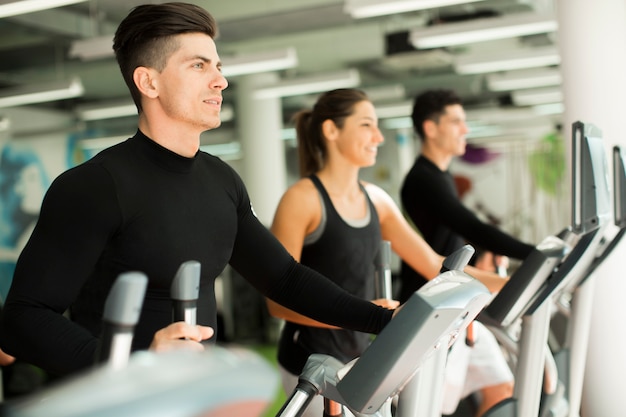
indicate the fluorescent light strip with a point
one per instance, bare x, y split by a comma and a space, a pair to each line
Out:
397, 123
390, 111
549, 109
507, 61
480, 30
109, 111
127, 108
359, 9
377, 94
497, 115
259, 62
308, 85
522, 79
92, 48
493, 115
15, 8
227, 151
537, 96
385, 92
32, 94
482, 131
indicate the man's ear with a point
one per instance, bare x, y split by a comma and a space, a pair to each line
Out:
146, 81
329, 129
430, 128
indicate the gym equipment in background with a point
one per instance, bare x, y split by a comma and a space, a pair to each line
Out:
529, 295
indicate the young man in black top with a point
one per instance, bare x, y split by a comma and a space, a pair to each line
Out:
429, 195
430, 199
149, 204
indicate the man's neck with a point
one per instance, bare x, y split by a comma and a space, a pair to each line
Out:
441, 160
180, 142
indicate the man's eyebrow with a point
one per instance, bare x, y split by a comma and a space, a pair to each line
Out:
205, 59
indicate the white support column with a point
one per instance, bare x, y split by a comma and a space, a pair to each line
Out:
259, 124
591, 39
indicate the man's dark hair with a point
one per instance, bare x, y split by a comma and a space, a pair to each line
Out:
430, 105
146, 37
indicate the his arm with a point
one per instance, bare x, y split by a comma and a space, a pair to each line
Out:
263, 261
297, 215
445, 207
74, 224
412, 248
78, 216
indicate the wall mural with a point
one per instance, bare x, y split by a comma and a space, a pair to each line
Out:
27, 168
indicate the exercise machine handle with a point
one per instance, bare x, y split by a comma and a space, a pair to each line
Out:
382, 277
184, 292
458, 259
121, 313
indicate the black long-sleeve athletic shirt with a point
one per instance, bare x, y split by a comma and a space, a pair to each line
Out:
139, 207
430, 199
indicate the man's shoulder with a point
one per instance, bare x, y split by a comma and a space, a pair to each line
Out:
421, 171
215, 166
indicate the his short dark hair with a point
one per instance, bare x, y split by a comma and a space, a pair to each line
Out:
430, 105
146, 36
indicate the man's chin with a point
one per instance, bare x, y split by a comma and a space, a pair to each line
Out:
214, 125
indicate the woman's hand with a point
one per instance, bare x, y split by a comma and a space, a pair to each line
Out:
385, 302
6, 359
180, 335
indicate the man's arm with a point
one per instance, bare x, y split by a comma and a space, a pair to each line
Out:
260, 258
432, 194
77, 216
412, 248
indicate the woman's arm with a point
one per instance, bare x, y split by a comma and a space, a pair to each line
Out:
412, 248
298, 214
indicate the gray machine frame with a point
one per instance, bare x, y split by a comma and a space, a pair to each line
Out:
577, 299
590, 216
426, 325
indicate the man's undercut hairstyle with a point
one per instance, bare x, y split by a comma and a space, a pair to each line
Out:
431, 105
146, 37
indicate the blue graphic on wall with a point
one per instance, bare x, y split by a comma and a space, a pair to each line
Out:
23, 182
27, 167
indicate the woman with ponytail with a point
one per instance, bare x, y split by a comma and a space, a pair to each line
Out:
333, 222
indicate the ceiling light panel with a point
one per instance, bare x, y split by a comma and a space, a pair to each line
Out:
480, 30
359, 9
309, 85
393, 110
15, 8
90, 49
537, 96
111, 110
523, 79
43, 93
254, 63
507, 61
